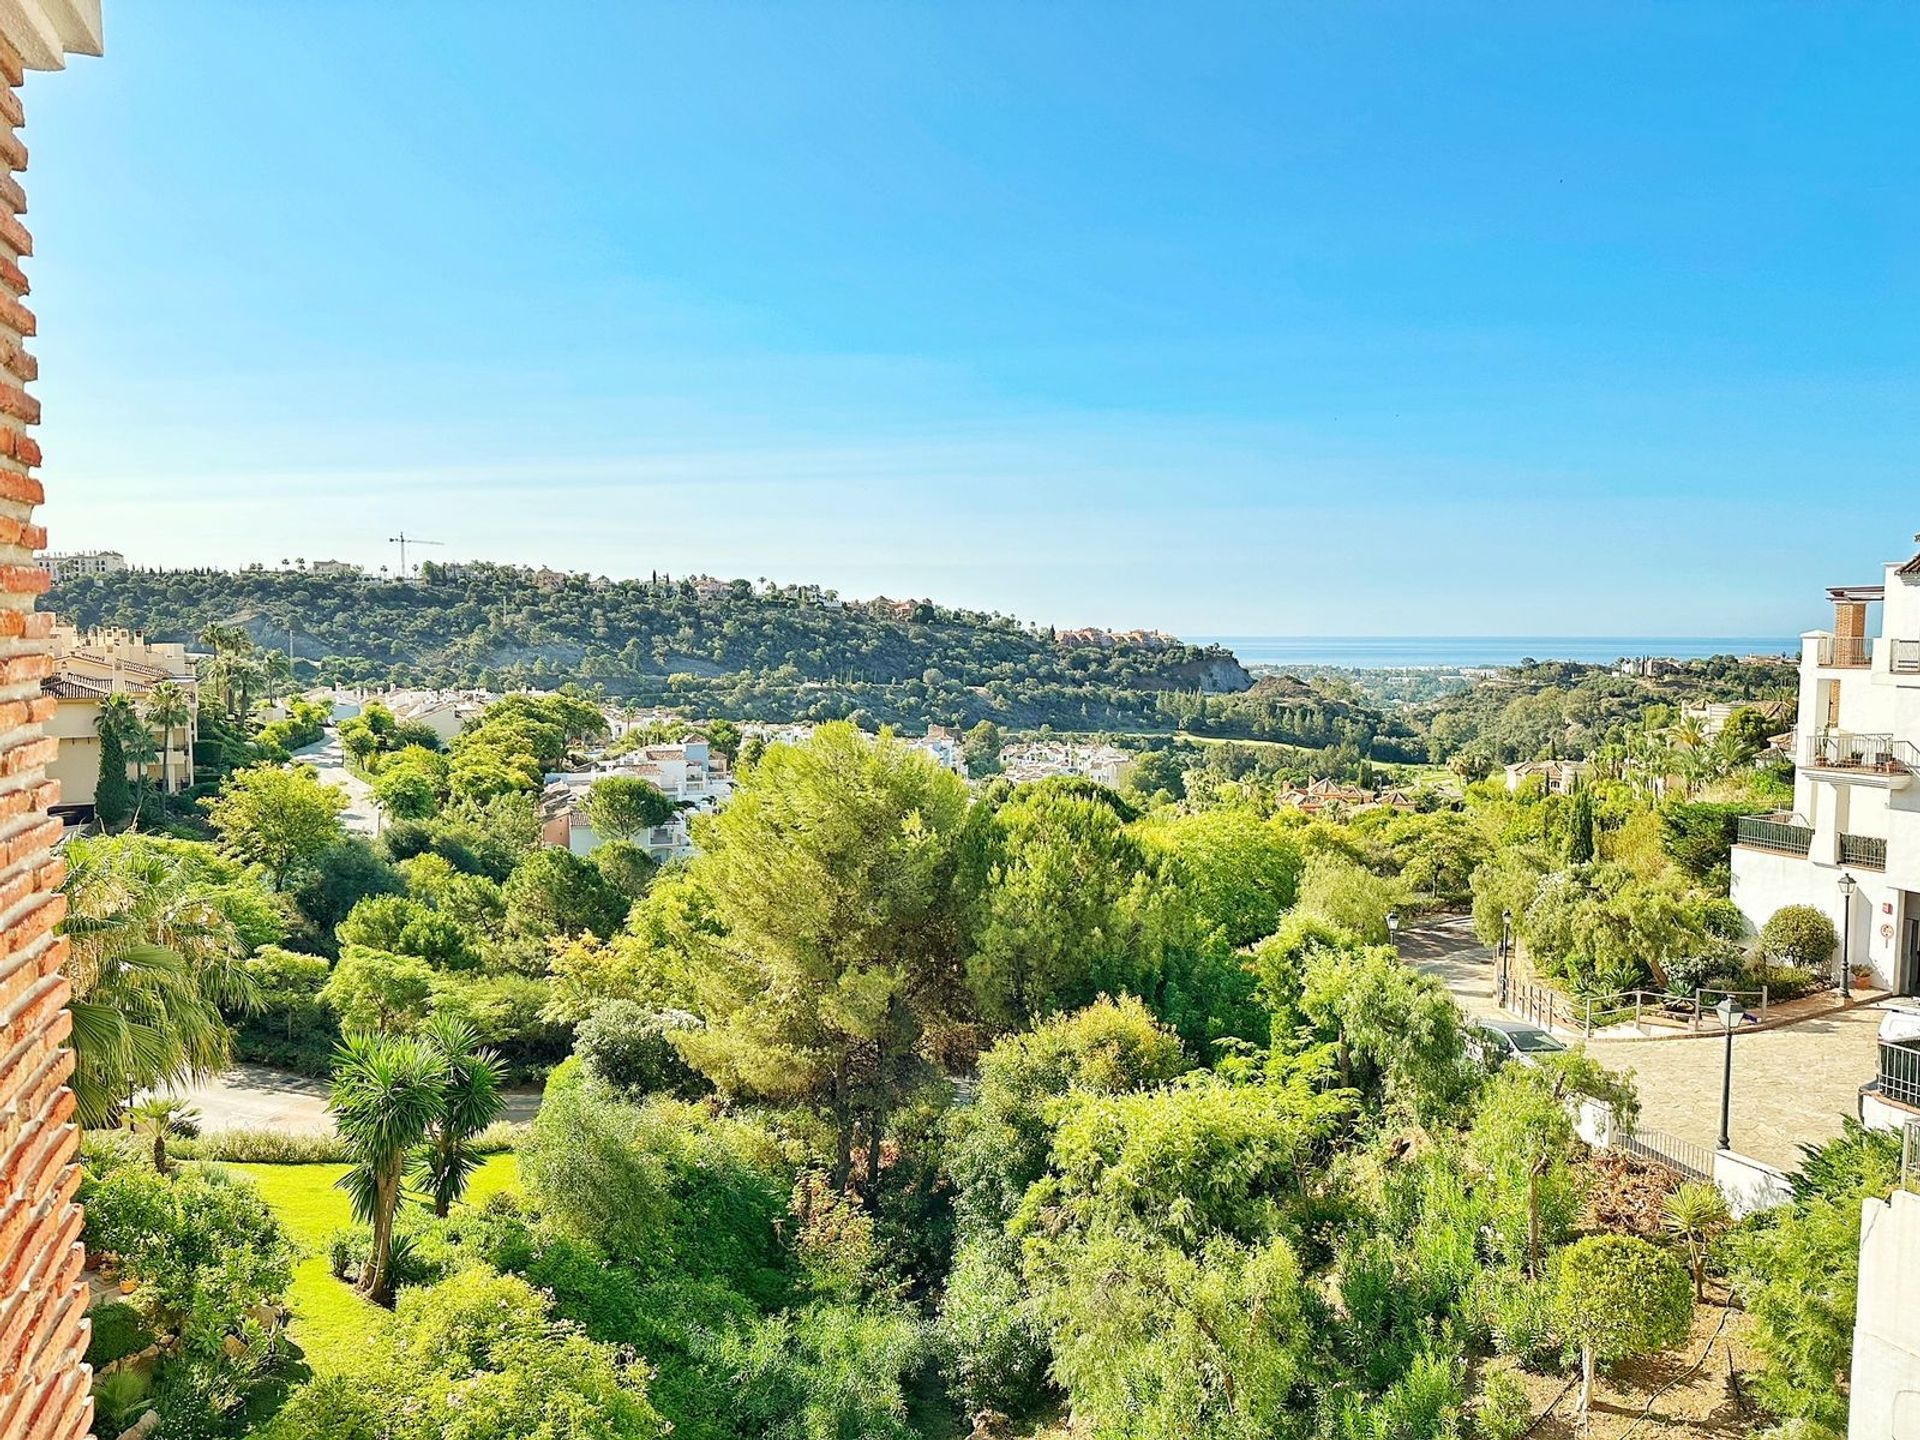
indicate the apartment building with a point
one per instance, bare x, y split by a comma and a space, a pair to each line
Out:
80, 563
1850, 847
91, 665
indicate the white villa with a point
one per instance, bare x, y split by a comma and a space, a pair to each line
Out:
687, 773
1851, 846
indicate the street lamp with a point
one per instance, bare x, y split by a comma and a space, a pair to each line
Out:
1726, 1010
1848, 887
1393, 930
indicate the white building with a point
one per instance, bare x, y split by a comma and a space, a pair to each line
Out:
1561, 777
1884, 1388
688, 774
65, 567
1041, 759
1856, 810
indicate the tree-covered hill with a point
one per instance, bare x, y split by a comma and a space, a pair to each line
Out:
746, 650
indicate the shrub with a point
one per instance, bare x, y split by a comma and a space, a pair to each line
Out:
666, 1186
248, 1146
118, 1331
627, 1045
1502, 1411
479, 1356
990, 1351
1517, 1313
830, 1370
1799, 935
209, 1259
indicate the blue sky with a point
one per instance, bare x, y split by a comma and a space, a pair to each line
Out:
1331, 318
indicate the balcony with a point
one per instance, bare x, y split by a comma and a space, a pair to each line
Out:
1900, 1073
1847, 757
1781, 837
1905, 657
1846, 652
1863, 852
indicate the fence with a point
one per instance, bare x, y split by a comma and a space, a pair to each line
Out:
1548, 1008
1691, 1160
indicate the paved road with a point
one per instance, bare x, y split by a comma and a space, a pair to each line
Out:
361, 816
1791, 1087
255, 1097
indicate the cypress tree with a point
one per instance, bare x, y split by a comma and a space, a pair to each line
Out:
1580, 847
113, 796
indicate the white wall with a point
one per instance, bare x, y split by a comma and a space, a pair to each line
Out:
1886, 1342
1749, 1185
1764, 883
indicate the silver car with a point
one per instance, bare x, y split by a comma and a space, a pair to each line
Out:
1494, 1042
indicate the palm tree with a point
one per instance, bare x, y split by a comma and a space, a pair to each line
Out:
472, 1101
387, 1091
162, 1118
151, 959
1698, 1213
169, 707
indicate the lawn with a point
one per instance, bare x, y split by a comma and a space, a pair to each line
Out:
330, 1322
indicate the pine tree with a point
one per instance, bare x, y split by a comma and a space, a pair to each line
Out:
113, 796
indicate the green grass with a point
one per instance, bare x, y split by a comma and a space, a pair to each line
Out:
330, 1322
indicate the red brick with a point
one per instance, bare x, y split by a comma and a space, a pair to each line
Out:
17, 317
25, 580
19, 237
13, 151
16, 402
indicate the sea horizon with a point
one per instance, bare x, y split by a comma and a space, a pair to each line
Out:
1394, 652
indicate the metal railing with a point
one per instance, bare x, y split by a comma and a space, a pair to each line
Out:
1899, 1077
1866, 852
1542, 1005
1846, 651
1910, 1155
1692, 1160
1781, 836
1906, 657
1850, 750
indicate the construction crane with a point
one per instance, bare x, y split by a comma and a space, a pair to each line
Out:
403, 540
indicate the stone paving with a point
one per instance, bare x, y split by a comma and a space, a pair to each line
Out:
1791, 1086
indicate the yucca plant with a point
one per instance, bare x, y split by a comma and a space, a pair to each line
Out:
471, 1102
161, 1118
387, 1092
1697, 1212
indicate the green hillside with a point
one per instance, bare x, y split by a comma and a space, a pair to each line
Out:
764, 652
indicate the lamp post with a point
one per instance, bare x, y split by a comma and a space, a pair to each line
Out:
1848, 885
1726, 1010
1393, 930
1506, 955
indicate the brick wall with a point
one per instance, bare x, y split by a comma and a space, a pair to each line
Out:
44, 1382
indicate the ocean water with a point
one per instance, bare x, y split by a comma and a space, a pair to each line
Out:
1394, 652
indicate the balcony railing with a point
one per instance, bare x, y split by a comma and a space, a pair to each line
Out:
1905, 659
1849, 750
1780, 836
1853, 652
1866, 852
1900, 1072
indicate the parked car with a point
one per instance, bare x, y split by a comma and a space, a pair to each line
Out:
1494, 1042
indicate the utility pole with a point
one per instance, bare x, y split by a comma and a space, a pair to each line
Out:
403, 540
